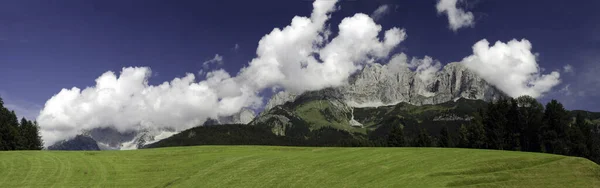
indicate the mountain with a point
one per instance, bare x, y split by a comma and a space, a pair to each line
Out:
389, 89
80, 142
109, 138
378, 92
380, 85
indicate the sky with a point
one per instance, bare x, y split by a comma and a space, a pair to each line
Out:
226, 55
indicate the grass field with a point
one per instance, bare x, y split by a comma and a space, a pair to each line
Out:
265, 166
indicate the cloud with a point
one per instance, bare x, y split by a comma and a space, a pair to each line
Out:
380, 12
511, 67
215, 60
457, 17
236, 47
127, 102
425, 68
299, 57
568, 69
286, 57
566, 90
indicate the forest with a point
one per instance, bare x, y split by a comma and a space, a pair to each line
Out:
18, 135
521, 124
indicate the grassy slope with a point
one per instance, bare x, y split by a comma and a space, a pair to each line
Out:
263, 166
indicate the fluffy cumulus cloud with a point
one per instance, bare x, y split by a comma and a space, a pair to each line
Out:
299, 57
457, 17
380, 12
511, 67
127, 102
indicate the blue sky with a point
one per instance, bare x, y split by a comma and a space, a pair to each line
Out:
49, 45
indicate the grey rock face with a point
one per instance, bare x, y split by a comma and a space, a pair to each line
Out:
280, 98
376, 85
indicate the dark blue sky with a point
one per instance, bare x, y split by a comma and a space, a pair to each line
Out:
49, 45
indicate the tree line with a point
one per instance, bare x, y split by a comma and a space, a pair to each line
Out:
521, 124
18, 135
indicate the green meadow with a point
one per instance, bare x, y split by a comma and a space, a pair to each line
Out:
272, 166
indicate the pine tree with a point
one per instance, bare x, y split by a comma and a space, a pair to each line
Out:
424, 139
554, 129
463, 137
35, 136
514, 128
15, 135
396, 137
477, 137
445, 140
495, 122
579, 135
23, 136
532, 112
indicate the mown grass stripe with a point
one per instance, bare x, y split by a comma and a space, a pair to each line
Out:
266, 166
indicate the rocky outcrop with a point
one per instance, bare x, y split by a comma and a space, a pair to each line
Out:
377, 85
279, 98
80, 142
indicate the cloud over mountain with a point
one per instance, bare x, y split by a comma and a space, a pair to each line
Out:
298, 57
302, 56
511, 67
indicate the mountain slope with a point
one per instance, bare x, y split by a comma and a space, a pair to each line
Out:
324, 108
260, 166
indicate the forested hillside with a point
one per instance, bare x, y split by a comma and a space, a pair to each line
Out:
521, 124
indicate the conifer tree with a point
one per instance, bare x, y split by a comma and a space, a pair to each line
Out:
445, 140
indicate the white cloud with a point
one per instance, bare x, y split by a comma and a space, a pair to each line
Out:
568, 69
127, 102
215, 60
285, 59
380, 12
425, 68
286, 56
457, 17
236, 47
566, 90
511, 67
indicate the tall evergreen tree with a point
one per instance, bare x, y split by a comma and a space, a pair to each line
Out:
495, 122
477, 136
35, 136
423, 139
396, 137
23, 140
532, 112
445, 140
463, 137
554, 129
578, 137
514, 127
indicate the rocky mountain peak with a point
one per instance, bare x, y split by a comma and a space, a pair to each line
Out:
378, 85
